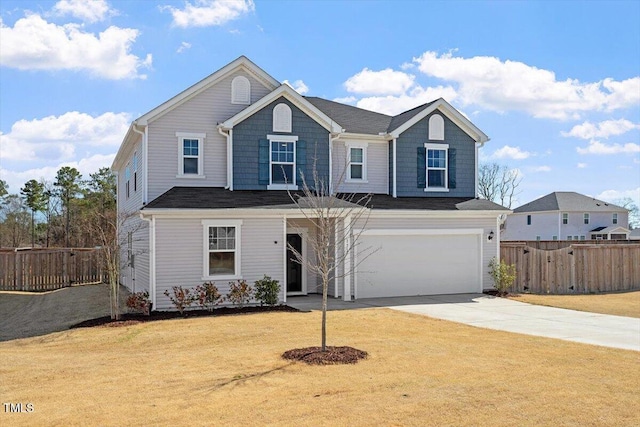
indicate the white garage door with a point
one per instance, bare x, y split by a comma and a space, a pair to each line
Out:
423, 264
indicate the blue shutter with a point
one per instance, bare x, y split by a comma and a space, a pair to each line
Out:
452, 167
263, 162
301, 162
422, 167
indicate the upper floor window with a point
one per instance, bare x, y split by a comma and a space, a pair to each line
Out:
437, 173
565, 218
135, 171
282, 118
357, 162
528, 219
436, 128
614, 220
282, 162
586, 218
190, 158
127, 179
240, 90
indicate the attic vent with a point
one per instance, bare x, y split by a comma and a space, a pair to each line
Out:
240, 90
282, 118
436, 127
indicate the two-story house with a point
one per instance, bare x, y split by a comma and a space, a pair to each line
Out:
565, 215
206, 175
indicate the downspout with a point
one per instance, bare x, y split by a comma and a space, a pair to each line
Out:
395, 181
143, 137
228, 135
152, 259
477, 148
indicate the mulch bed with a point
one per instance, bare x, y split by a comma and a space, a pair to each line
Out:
127, 319
332, 356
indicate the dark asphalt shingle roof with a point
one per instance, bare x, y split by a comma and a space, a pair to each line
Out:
219, 198
352, 119
402, 118
568, 201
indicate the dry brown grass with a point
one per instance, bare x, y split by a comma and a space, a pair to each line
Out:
228, 371
619, 304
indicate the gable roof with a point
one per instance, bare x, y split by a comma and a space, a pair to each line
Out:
352, 119
568, 201
298, 100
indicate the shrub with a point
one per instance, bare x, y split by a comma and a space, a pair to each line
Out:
266, 291
208, 296
181, 298
503, 274
239, 293
140, 302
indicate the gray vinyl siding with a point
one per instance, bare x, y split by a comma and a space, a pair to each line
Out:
135, 278
417, 136
248, 133
180, 254
377, 169
487, 224
133, 203
200, 114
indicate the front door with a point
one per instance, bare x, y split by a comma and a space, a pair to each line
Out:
294, 270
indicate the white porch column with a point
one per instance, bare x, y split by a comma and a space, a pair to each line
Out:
347, 257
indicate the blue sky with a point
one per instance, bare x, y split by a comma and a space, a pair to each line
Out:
556, 85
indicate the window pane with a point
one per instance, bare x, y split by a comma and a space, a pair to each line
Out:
190, 165
356, 155
436, 158
282, 174
221, 263
356, 171
436, 178
190, 147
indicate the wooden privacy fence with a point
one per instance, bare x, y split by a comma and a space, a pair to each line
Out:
579, 268
49, 269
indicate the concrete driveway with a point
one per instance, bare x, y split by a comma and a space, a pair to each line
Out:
503, 314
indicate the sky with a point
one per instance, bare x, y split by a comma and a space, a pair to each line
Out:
555, 85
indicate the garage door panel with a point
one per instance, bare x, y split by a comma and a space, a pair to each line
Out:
407, 265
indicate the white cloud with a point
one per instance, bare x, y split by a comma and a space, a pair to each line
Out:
35, 44
86, 10
209, 13
397, 104
508, 152
541, 169
59, 138
605, 129
298, 86
384, 82
183, 46
85, 166
346, 100
510, 85
582, 165
597, 147
614, 195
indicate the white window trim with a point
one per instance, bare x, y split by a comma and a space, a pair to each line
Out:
436, 134
363, 146
287, 123
565, 215
234, 96
206, 224
614, 218
188, 135
586, 218
282, 138
444, 147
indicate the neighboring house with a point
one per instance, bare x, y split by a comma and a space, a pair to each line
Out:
206, 174
634, 234
565, 215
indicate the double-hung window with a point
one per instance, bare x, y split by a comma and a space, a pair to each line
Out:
586, 218
565, 218
221, 249
437, 172
282, 166
127, 179
135, 171
190, 155
614, 220
357, 162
